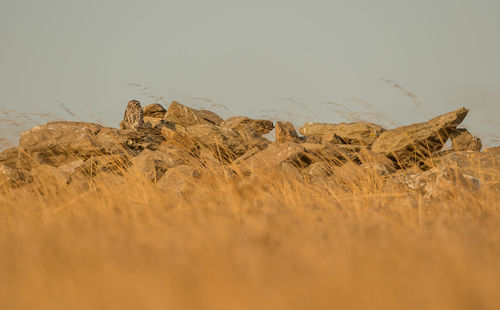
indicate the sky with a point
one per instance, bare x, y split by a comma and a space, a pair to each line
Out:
392, 62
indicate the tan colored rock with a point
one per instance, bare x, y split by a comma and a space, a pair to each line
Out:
154, 110
153, 164
153, 122
359, 133
463, 140
257, 126
412, 144
376, 162
59, 143
319, 169
226, 145
180, 179
274, 155
12, 177
481, 165
285, 132
186, 116
211, 117
441, 182
334, 154
10, 157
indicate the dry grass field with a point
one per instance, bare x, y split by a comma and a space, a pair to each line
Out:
265, 242
272, 240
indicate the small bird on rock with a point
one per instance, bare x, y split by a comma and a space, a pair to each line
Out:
134, 116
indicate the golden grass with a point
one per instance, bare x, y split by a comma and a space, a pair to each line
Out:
262, 242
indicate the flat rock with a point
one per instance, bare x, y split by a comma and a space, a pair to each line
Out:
275, 154
154, 164
412, 144
360, 133
181, 114
257, 126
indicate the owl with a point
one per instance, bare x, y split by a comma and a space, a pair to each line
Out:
134, 116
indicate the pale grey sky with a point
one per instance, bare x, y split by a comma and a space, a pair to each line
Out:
251, 55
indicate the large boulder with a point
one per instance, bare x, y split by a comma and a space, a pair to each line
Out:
243, 123
58, 143
12, 177
412, 144
274, 155
153, 164
360, 133
481, 165
181, 114
226, 145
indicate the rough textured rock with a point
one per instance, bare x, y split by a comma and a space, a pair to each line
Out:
275, 154
153, 122
12, 177
153, 164
179, 179
376, 162
187, 116
226, 145
334, 154
154, 110
414, 143
440, 182
211, 117
463, 140
257, 126
116, 164
10, 157
134, 116
58, 143
481, 165
285, 132
319, 169
360, 133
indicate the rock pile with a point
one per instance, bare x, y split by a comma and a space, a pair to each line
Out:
164, 144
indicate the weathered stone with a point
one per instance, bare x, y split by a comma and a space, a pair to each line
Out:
360, 133
285, 132
211, 117
154, 110
334, 154
275, 154
319, 169
376, 162
180, 179
45, 174
59, 143
187, 116
10, 157
114, 164
412, 144
153, 164
441, 181
134, 116
463, 140
153, 122
481, 165
12, 177
257, 126
226, 145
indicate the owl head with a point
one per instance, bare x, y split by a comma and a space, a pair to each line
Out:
134, 104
